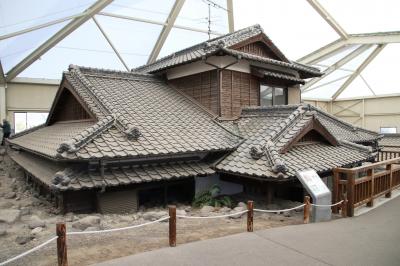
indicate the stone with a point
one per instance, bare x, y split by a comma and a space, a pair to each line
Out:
36, 222
206, 210
181, 212
6, 205
9, 215
242, 204
2, 152
287, 214
10, 195
22, 240
3, 232
86, 222
92, 228
154, 215
225, 209
25, 211
235, 210
36, 231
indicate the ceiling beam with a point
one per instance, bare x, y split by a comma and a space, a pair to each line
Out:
110, 43
176, 8
337, 65
40, 26
324, 52
375, 38
328, 18
231, 21
155, 22
358, 70
56, 38
2, 77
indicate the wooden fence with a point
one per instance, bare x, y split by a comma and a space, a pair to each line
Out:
365, 183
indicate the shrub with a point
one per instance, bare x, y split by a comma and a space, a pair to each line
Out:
211, 197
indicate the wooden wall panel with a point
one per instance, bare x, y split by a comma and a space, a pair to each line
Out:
203, 87
257, 48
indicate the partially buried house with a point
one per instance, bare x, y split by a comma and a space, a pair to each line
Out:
225, 111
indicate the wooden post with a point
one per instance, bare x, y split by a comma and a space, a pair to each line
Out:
371, 173
61, 232
389, 168
307, 209
335, 194
250, 215
344, 206
350, 193
172, 226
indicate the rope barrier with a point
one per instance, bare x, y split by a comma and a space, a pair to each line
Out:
283, 210
29, 251
117, 229
210, 217
331, 205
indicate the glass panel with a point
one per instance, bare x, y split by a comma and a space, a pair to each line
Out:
35, 119
390, 130
265, 95
19, 122
280, 96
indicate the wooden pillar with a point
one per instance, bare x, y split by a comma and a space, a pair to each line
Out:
389, 168
335, 188
350, 193
370, 172
62, 244
172, 226
250, 215
307, 206
270, 193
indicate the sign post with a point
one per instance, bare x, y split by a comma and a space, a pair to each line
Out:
319, 192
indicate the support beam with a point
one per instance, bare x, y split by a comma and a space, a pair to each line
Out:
155, 22
176, 8
366, 83
358, 70
2, 77
375, 38
56, 38
231, 22
111, 44
322, 53
37, 27
337, 65
328, 18
3, 102
327, 83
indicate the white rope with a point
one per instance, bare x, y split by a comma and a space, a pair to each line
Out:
284, 210
117, 229
331, 205
29, 251
210, 217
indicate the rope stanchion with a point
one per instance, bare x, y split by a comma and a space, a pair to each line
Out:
29, 251
211, 217
283, 210
118, 229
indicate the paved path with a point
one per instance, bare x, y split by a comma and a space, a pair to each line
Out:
370, 239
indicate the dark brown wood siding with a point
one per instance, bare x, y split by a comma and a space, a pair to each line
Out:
68, 108
257, 48
238, 90
203, 87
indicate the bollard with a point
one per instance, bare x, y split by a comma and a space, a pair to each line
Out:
307, 209
172, 226
344, 207
61, 232
250, 215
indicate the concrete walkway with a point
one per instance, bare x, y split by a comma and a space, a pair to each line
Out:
370, 239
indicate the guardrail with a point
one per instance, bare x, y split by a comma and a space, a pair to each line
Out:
61, 231
387, 155
365, 183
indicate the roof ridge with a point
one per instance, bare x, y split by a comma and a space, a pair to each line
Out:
355, 145
27, 131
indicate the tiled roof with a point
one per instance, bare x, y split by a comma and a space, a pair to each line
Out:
269, 130
390, 140
277, 75
138, 115
60, 177
222, 44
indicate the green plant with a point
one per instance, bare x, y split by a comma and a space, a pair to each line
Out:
211, 197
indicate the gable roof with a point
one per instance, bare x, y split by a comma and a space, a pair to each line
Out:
224, 44
269, 131
138, 115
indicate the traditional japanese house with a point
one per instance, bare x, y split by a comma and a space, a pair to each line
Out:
225, 111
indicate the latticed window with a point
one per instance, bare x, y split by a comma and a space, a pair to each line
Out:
270, 96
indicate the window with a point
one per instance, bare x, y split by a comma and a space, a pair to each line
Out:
388, 130
270, 96
25, 120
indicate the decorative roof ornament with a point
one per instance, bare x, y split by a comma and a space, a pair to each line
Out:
133, 133
256, 153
